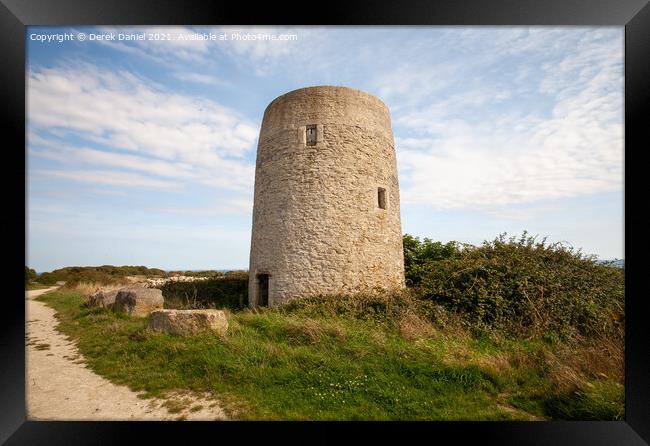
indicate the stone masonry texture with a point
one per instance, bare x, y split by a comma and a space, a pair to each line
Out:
317, 224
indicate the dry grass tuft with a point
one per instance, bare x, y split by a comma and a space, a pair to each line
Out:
601, 359
336, 330
307, 329
413, 327
498, 362
572, 366
113, 328
563, 377
536, 359
458, 355
379, 338
90, 288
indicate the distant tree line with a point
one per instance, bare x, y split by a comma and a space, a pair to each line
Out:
30, 275
99, 274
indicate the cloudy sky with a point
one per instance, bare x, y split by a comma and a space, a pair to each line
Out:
143, 152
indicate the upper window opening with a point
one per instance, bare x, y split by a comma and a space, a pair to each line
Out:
381, 198
311, 135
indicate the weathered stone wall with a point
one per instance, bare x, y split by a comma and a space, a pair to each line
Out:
317, 225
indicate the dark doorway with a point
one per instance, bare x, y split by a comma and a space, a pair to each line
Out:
263, 290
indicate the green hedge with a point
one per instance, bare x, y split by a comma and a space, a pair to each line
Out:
521, 285
420, 255
228, 291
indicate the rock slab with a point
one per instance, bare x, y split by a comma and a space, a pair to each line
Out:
138, 302
188, 322
103, 299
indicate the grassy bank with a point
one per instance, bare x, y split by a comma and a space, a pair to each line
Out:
355, 358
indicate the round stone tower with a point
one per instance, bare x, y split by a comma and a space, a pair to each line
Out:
326, 216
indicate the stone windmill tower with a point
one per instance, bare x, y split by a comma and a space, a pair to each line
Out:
326, 216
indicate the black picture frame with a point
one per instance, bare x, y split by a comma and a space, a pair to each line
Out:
15, 15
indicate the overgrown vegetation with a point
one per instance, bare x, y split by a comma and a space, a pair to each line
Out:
30, 275
30, 280
223, 290
420, 256
526, 287
512, 329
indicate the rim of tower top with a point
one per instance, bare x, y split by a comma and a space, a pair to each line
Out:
328, 87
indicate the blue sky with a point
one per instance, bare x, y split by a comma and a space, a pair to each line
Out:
143, 152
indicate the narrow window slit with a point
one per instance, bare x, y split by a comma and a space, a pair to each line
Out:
311, 135
381, 198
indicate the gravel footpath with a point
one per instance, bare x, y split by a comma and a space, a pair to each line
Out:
60, 387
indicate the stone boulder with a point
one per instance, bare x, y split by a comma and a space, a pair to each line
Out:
188, 322
138, 301
103, 299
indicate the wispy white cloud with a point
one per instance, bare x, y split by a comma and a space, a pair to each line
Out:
199, 78
125, 112
227, 206
176, 46
113, 178
167, 134
457, 158
521, 214
258, 50
262, 56
168, 44
75, 155
100, 226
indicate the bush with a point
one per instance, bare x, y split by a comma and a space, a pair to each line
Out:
419, 256
227, 291
30, 275
525, 286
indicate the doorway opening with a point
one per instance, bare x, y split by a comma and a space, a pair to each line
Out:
263, 290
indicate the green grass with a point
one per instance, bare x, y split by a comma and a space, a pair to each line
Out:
295, 366
600, 401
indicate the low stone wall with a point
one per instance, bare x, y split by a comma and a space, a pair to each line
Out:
156, 283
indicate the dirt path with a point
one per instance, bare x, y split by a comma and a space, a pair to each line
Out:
60, 387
